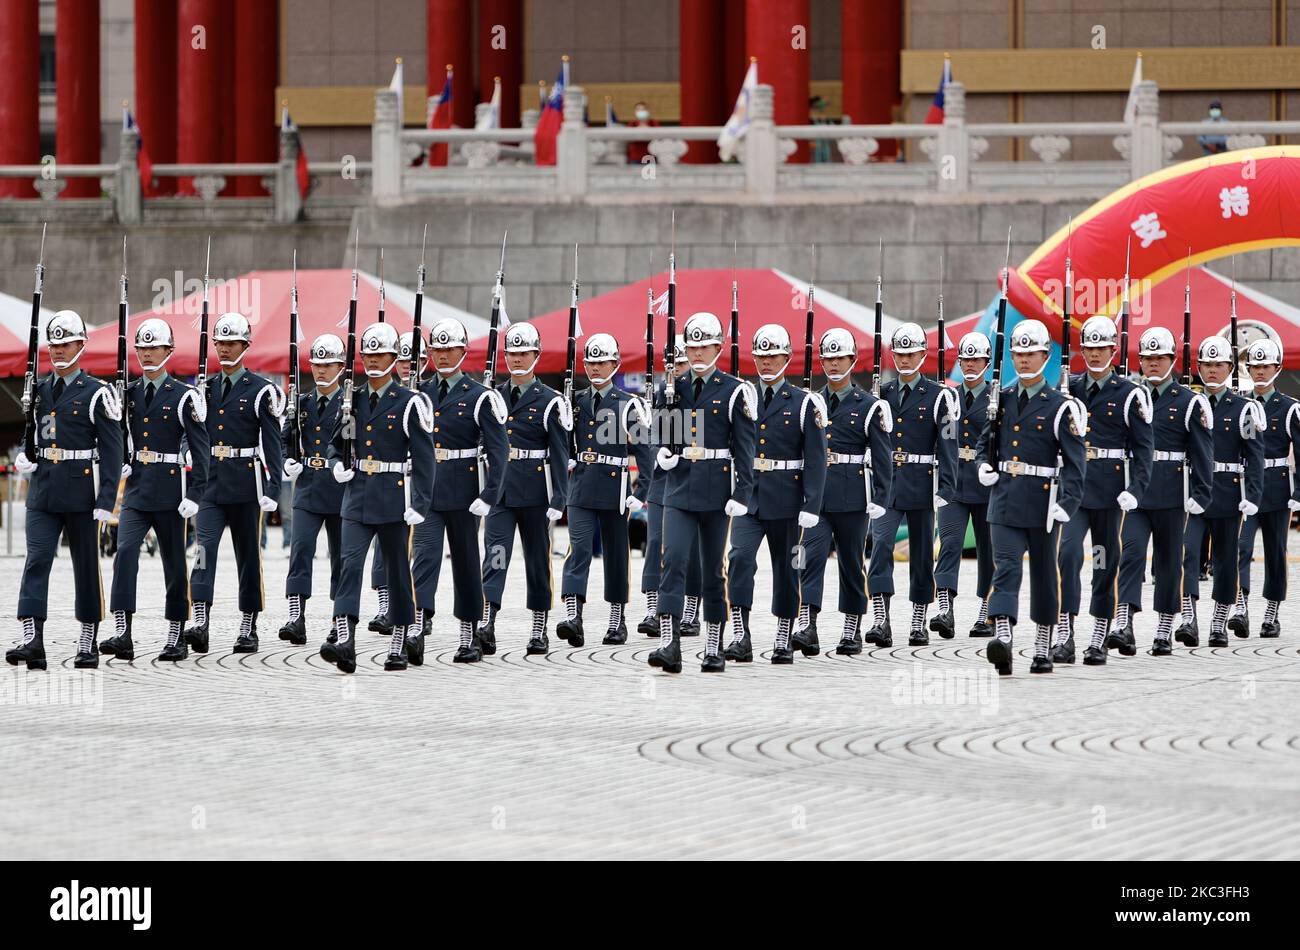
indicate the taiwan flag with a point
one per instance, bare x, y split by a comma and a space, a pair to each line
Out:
441, 119
142, 155
302, 171
548, 126
935, 115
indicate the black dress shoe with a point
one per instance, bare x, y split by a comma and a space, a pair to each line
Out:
538, 646
918, 638
1219, 638
485, 637
571, 630
805, 639
981, 628
713, 664
247, 642
614, 638
691, 629
944, 624
1161, 647
649, 626
426, 625
881, 636
380, 624
668, 657
120, 646
1063, 652
295, 632
1094, 656
415, 649
470, 654
782, 657
1270, 629
174, 653
850, 645
741, 651
342, 655
32, 653
1041, 664
87, 660
1239, 624
395, 662
1188, 634
1123, 641
1000, 654
197, 637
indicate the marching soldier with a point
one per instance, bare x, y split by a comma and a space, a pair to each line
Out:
243, 424
470, 449
165, 417
1180, 485
1036, 488
1117, 446
1280, 495
789, 478
317, 497
708, 481
385, 495
536, 486
970, 501
1236, 489
858, 472
649, 625
610, 430
73, 488
921, 409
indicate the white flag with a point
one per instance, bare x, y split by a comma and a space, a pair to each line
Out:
1130, 107
738, 124
396, 86
491, 117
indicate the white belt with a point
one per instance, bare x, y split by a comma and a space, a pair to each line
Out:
1169, 456
145, 457
839, 458
1276, 463
526, 454
593, 458
695, 453
904, 458
777, 465
1096, 453
1228, 467
230, 452
1020, 468
446, 455
57, 455
374, 467
966, 454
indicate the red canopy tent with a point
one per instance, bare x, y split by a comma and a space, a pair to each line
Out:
766, 296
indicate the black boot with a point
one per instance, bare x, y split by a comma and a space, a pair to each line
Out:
850, 644
197, 635
1041, 664
120, 646
571, 630
649, 626
805, 639
415, 645
538, 644
485, 638
1123, 640
1161, 647
944, 623
668, 657
1218, 638
88, 659
881, 636
1094, 656
741, 650
1063, 652
1239, 624
295, 631
175, 652
30, 651
1188, 634
617, 636
342, 655
1270, 629
247, 642
692, 629
426, 625
1001, 654
395, 662
981, 628
381, 623
918, 638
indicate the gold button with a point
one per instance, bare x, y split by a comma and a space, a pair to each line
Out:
220, 426
221, 412
144, 435
369, 442
760, 441
146, 418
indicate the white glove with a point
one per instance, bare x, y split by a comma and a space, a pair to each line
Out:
808, 520
986, 475
292, 469
411, 516
634, 504
342, 474
1058, 514
267, 504
103, 514
938, 503
24, 467
126, 471
874, 511
479, 508
1248, 508
554, 514
735, 509
573, 463
1126, 501
187, 508
1293, 505
667, 461
1192, 506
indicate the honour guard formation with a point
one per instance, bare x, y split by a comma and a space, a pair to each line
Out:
420, 458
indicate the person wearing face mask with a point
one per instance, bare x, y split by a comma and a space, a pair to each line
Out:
1181, 469
970, 502
611, 430
247, 459
538, 428
166, 419
1213, 144
708, 484
789, 478
317, 497
1118, 447
73, 488
1040, 448
1237, 485
1280, 495
921, 409
469, 449
638, 151
859, 470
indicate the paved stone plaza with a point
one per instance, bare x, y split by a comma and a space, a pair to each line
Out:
900, 753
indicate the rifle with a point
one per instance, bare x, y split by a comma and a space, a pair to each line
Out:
381, 285
999, 335
808, 332
670, 341
1123, 316
347, 416
417, 341
571, 354
1065, 313
942, 338
1187, 323
490, 368
33, 354
880, 317
650, 335
123, 369
1236, 368
735, 315
295, 383
200, 382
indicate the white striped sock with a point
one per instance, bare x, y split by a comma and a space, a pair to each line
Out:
945, 600
119, 622
1270, 611
984, 611
1121, 616
918, 616
878, 615
87, 637
341, 630
1100, 627
737, 625
174, 630
383, 599
691, 609
1042, 639
201, 613
1062, 628
652, 601
466, 632
1219, 621
715, 637
615, 616
1164, 625
1002, 628
782, 641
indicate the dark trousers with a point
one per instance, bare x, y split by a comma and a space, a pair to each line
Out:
1163, 528
461, 531
847, 530
499, 544
1009, 547
584, 526
1273, 525
952, 539
302, 551
43, 528
920, 542
378, 573
654, 552
245, 522
783, 550
395, 540
1104, 526
169, 529
1224, 535
685, 533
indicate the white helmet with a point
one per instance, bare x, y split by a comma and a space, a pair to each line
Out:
405, 349
448, 334
1264, 353
1214, 349
523, 338
1098, 331
232, 326
974, 346
702, 329
837, 341
1157, 341
771, 339
679, 350
66, 326
327, 348
379, 338
600, 348
1030, 336
908, 338
154, 332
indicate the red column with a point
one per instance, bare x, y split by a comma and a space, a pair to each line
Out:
871, 38
20, 121
508, 63
770, 35
256, 48
223, 47
449, 25
702, 82
76, 62
735, 57
200, 114
155, 82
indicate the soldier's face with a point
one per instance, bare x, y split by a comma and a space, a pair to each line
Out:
681, 368
907, 363
230, 350
376, 363
836, 365
599, 369
1156, 367
521, 361
402, 369
151, 355
1214, 374
1029, 364
1097, 358
973, 367
771, 364
322, 372
450, 359
65, 352
703, 355
1263, 375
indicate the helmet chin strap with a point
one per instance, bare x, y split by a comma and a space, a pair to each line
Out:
971, 377
226, 364
613, 373
908, 373
773, 377
153, 369
1157, 380
326, 383
702, 368
523, 372
449, 370
380, 373
70, 363
1268, 382
1026, 377
837, 377
1222, 384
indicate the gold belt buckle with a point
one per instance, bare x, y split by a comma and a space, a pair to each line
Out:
223, 451
693, 453
966, 454
1015, 468
316, 461
371, 467
146, 457
587, 457
764, 465
900, 457
441, 455
54, 455
515, 455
